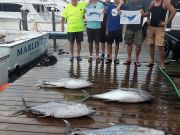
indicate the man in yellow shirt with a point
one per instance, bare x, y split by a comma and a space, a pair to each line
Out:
73, 14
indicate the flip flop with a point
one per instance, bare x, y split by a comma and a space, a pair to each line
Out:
162, 67
116, 61
127, 62
149, 65
137, 64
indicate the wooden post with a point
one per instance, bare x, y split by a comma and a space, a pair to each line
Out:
53, 27
24, 18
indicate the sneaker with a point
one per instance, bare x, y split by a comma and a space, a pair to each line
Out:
71, 59
102, 56
79, 58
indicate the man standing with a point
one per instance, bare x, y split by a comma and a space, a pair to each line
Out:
103, 37
133, 33
158, 10
114, 30
74, 16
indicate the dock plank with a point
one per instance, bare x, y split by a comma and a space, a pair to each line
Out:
161, 113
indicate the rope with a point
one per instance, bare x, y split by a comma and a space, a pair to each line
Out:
171, 81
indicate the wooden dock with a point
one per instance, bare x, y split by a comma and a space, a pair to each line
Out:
161, 113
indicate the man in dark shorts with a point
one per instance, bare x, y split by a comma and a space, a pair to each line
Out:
74, 15
114, 30
103, 38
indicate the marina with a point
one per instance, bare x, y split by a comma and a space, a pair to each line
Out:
161, 113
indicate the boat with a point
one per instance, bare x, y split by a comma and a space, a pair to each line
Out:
39, 14
23, 47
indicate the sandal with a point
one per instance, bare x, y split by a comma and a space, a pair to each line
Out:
116, 61
162, 67
127, 62
108, 61
90, 59
149, 65
137, 64
98, 60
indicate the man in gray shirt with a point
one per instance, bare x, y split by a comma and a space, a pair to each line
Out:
133, 33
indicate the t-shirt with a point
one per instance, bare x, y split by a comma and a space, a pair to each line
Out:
132, 6
74, 16
113, 18
95, 24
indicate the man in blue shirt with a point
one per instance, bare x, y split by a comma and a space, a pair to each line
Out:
114, 30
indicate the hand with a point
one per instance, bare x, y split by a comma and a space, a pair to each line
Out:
162, 24
142, 12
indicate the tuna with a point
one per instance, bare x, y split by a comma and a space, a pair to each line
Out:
61, 109
69, 83
114, 130
128, 95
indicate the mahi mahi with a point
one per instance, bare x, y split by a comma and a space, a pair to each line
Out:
114, 130
61, 109
128, 95
69, 83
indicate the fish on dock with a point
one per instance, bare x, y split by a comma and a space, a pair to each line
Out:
69, 83
60, 109
114, 130
128, 95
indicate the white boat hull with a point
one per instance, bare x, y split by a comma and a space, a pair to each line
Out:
24, 49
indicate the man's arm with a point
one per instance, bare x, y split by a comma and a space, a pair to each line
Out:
62, 24
121, 2
171, 10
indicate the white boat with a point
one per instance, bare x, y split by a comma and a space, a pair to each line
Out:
23, 47
39, 15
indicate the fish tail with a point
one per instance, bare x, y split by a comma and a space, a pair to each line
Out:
19, 112
69, 128
86, 96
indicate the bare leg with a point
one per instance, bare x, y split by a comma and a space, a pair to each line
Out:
71, 48
103, 48
116, 50
152, 50
161, 56
109, 46
97, 48
129, 51
137, 52
78, 48
90, 49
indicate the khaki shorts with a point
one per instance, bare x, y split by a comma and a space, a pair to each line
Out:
135, 37
155, 35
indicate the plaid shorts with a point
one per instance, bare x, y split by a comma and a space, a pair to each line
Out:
135, 37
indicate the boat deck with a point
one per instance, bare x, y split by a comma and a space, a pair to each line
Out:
161, 113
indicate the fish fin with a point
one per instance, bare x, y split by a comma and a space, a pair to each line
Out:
42, 116
86, 96
19, 112
112, 124
69, 128
39, 84
24, 103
